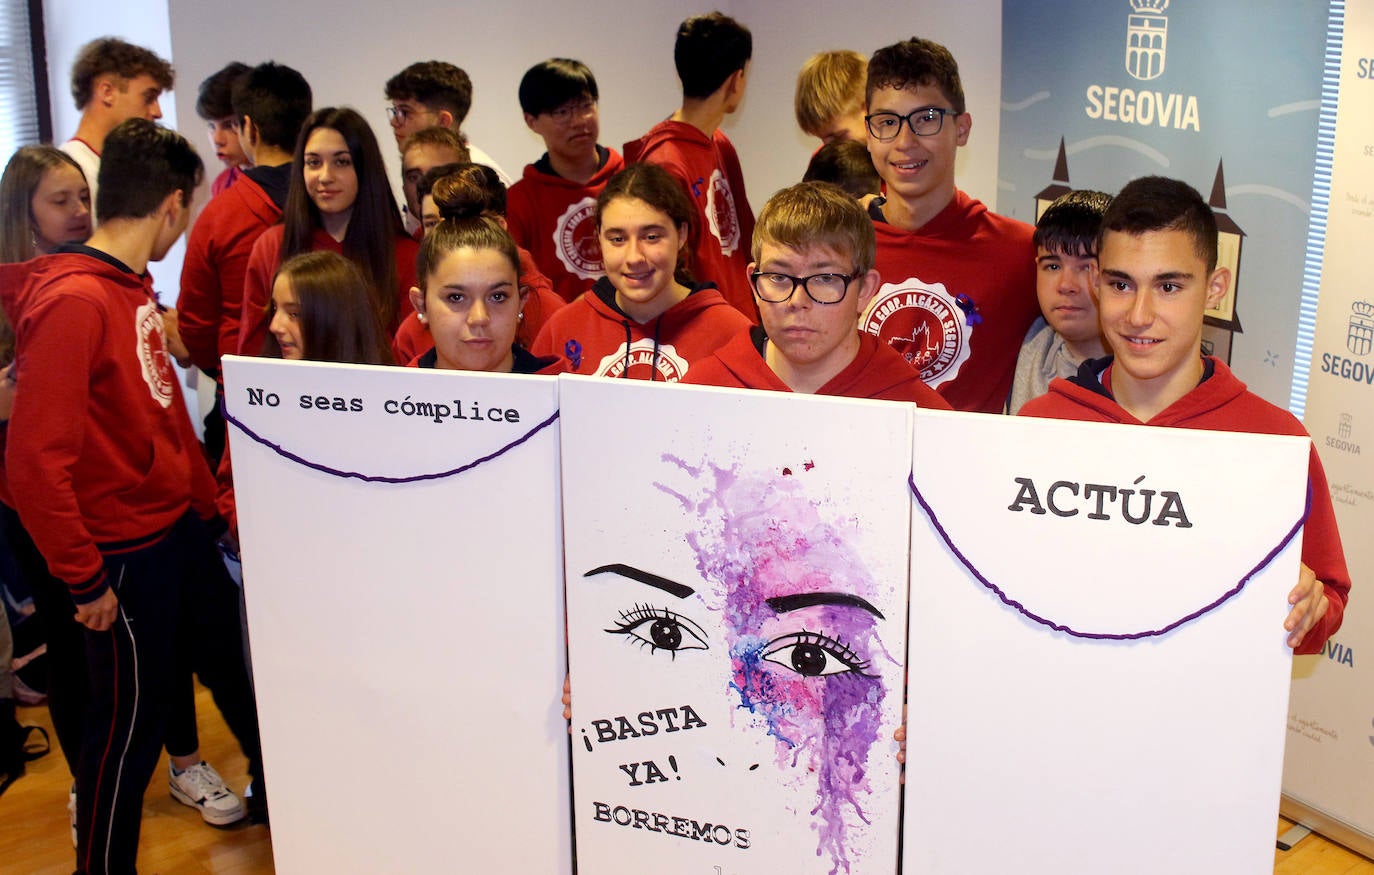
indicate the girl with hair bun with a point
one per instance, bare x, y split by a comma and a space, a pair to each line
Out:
469, 294
647, 318
541, 300
339, 201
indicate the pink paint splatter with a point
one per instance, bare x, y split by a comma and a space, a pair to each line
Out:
801, 643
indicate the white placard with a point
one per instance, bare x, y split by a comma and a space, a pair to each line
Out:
736, 566
407, 637
1034, 750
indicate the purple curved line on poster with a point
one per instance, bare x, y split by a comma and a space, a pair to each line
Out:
382, 478
1107, 636
795, 601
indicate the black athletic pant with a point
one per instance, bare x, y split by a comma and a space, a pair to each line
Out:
172, 593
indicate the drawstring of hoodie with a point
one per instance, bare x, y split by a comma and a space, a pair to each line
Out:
653, 366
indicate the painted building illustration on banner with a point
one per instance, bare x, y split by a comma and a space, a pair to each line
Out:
1223, 321
1173, 89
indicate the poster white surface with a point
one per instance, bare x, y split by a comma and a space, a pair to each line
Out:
1329, 765
1133, 753
407, 636
736, 567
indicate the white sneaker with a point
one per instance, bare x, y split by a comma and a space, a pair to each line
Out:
202, 788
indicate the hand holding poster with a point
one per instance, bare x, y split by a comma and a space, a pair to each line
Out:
400, 534
736, 587
1098, 665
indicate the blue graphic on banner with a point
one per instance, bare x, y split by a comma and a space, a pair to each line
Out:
1220, 93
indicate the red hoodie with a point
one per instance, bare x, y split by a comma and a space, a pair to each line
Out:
876, 372
708, 170
412, 338
957, 298
263, 264
212, 275
555, 219
597, 338
1221, 403
101, 449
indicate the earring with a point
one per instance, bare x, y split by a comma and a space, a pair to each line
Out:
520, 317
422, 317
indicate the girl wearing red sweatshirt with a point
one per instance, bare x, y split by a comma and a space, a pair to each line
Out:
470, 297
340, 201
647, 319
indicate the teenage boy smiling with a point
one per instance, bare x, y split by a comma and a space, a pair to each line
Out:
958, 289
1157, 275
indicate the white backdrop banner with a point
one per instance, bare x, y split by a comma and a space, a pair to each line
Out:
1098, 672
401, 533
1329, 768
737, 575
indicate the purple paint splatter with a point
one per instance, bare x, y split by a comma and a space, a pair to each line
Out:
801, 667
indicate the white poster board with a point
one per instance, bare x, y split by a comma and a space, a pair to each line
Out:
736, 567
1034, 750
407, 636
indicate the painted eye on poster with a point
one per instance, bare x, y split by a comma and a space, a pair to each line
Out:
651, 627
780, 616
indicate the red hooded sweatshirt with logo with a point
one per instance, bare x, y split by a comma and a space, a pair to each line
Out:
876, 372
708, 170
211, 301
598, 339
957, 298
1221, 403
101, 453
555, 219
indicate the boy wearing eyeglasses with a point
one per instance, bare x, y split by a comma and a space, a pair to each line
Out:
551, 211
812, 275
433, 94
958, 281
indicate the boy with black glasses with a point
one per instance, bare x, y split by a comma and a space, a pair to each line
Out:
812, 276
958, 290
551, 211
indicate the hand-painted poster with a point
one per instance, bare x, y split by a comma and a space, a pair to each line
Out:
1098, 668
1223, 94
401, 561
1329, 771
736, 575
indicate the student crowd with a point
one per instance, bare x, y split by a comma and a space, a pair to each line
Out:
875, 277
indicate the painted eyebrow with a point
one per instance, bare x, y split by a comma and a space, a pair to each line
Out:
672, 587
785, 603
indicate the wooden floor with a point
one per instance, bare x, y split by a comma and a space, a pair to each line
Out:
35, 838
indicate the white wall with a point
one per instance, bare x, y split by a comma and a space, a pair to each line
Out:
70, 24
348, 52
